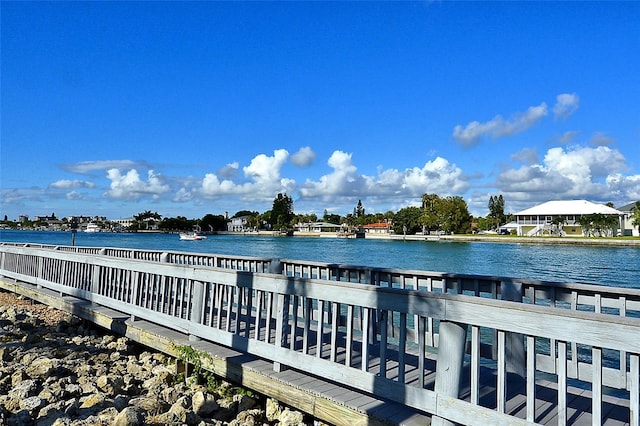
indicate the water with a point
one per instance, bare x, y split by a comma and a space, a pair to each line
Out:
606, 265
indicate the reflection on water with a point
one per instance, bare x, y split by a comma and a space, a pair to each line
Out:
617, 266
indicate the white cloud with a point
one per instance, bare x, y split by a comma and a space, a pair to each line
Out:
344, 179
574, 172
625, 187
130, 187
264, 172
212, 186
499, 127
437, 176
71, 184
304, 157
566, 104
345, 183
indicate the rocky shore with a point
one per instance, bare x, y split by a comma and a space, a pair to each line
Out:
56, 369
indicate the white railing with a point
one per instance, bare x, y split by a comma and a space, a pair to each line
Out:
325, 327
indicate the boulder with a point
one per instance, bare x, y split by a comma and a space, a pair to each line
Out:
110, 384
130, 416
290, 418
204, 404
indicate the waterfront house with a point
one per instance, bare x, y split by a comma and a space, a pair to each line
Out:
542, 219
317, 227
628, 228
238, 224
378, 228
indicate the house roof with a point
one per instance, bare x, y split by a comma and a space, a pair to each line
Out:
627, 207
378, 225
567, 207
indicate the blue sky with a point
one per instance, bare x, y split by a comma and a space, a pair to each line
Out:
114, 108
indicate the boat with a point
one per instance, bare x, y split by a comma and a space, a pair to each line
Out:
92, 227
191, 236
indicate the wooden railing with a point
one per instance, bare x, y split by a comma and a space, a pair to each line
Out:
381, 338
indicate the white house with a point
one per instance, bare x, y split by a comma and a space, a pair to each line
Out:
317, 227
238, 224
629, 228
539, 220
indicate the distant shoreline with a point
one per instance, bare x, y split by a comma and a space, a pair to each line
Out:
487, 238
595, 241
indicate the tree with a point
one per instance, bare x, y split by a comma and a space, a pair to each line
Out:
244, 213
455, 215
358, 211
496, 210
145, 218
558, 222
282, 212
408, 220
213, 223
598, 224
431, 207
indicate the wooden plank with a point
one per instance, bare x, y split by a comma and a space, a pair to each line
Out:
596, 397
634, 390
531, 378
475, 364
502, 373
562, 383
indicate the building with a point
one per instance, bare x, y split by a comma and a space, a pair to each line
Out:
628, 228
238, 224
378, 228
317, 227
123, 223
561, 218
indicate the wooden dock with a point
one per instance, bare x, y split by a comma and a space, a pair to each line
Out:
316, 338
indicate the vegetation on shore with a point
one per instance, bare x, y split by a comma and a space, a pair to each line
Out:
436, 214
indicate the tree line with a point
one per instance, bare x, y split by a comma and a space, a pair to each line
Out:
437, 214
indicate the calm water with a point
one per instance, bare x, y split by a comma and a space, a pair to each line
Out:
617, 266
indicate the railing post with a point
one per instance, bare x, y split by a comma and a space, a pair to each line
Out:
197, 302
451, 350
514, 344
372, 329
39, 273
282, 313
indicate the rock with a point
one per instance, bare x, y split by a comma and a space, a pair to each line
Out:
245, 402
93, 401
32, 405
120, 402
42, 367
48, 414
204, 404
171, 394
111, 385
130, 416
70, 374
183, 412
151, 405
273, 410
24, 389
21, 418
291, 418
